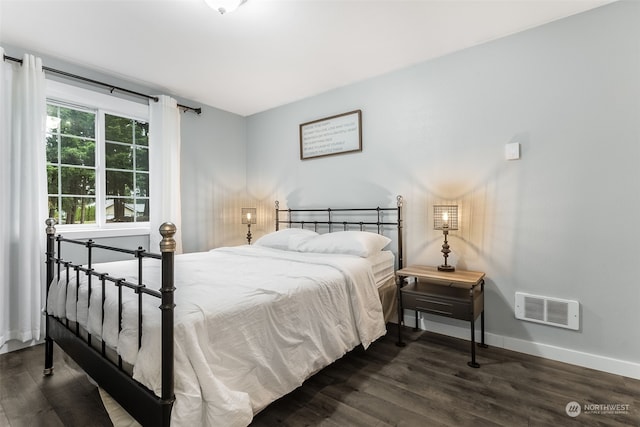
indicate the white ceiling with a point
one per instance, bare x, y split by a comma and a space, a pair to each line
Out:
268, 52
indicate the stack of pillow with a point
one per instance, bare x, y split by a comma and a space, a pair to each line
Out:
359, 243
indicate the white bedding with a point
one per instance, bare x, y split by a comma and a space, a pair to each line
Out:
251, 324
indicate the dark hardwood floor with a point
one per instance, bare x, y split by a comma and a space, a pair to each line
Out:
426, 383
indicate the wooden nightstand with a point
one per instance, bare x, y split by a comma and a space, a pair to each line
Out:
457, 294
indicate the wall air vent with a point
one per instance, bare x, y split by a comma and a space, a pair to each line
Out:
549, 311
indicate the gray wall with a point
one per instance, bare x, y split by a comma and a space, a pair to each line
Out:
559, 222
213, 179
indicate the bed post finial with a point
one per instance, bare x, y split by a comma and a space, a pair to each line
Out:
399, 200
51, 226
277, 215
167, 230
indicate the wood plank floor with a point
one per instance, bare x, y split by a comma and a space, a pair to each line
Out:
426, 383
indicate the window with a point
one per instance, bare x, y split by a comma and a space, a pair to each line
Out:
97, 159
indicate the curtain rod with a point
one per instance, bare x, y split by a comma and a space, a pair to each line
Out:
96, 82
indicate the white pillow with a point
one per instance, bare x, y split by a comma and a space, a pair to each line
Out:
281, 239
360, 243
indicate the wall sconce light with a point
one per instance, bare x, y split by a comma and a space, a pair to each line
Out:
249, 217
445, 218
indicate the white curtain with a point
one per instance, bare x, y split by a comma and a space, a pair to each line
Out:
164, 169
23, 188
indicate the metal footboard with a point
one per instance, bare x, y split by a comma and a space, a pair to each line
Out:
138, 400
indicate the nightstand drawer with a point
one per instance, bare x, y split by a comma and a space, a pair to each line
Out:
443, 300
430, 305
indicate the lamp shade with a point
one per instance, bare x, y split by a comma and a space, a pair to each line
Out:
445, 217
224, 6
249, 215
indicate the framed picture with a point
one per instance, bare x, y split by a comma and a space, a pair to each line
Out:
332, 135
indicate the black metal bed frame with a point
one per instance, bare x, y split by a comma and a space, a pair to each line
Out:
143, 404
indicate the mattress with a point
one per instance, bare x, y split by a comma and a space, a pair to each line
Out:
251, 324
382, 266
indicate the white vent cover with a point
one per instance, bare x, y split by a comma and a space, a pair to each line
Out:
549, 311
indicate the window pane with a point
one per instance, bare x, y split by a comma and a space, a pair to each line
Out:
141, 133
142, 159
52, 110
52, 148
52, 179
142, 184
119, 183
78, 181
114, 210
77, 151
77, 123
118, 129
118, 156
142, 210
78, 210
53, 209
124, 210
53, 121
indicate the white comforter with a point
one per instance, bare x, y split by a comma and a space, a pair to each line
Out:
251, 324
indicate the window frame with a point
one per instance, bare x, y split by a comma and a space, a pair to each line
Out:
74, 96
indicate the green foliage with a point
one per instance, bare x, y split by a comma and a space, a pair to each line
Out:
118, 156
77, 151
118, 129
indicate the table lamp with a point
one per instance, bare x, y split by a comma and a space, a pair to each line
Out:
249, 217
445, 218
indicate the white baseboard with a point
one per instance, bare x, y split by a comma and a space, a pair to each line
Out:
560, 354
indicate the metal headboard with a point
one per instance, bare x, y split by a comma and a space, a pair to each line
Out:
296, 217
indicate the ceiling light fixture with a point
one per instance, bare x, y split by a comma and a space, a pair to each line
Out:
224, 6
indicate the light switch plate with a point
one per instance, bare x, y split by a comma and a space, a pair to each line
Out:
512, 151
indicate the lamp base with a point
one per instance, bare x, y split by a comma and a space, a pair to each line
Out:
446, 268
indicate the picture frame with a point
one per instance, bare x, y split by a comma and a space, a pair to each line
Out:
332, 135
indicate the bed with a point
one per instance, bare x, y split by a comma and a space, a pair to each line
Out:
229, 330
